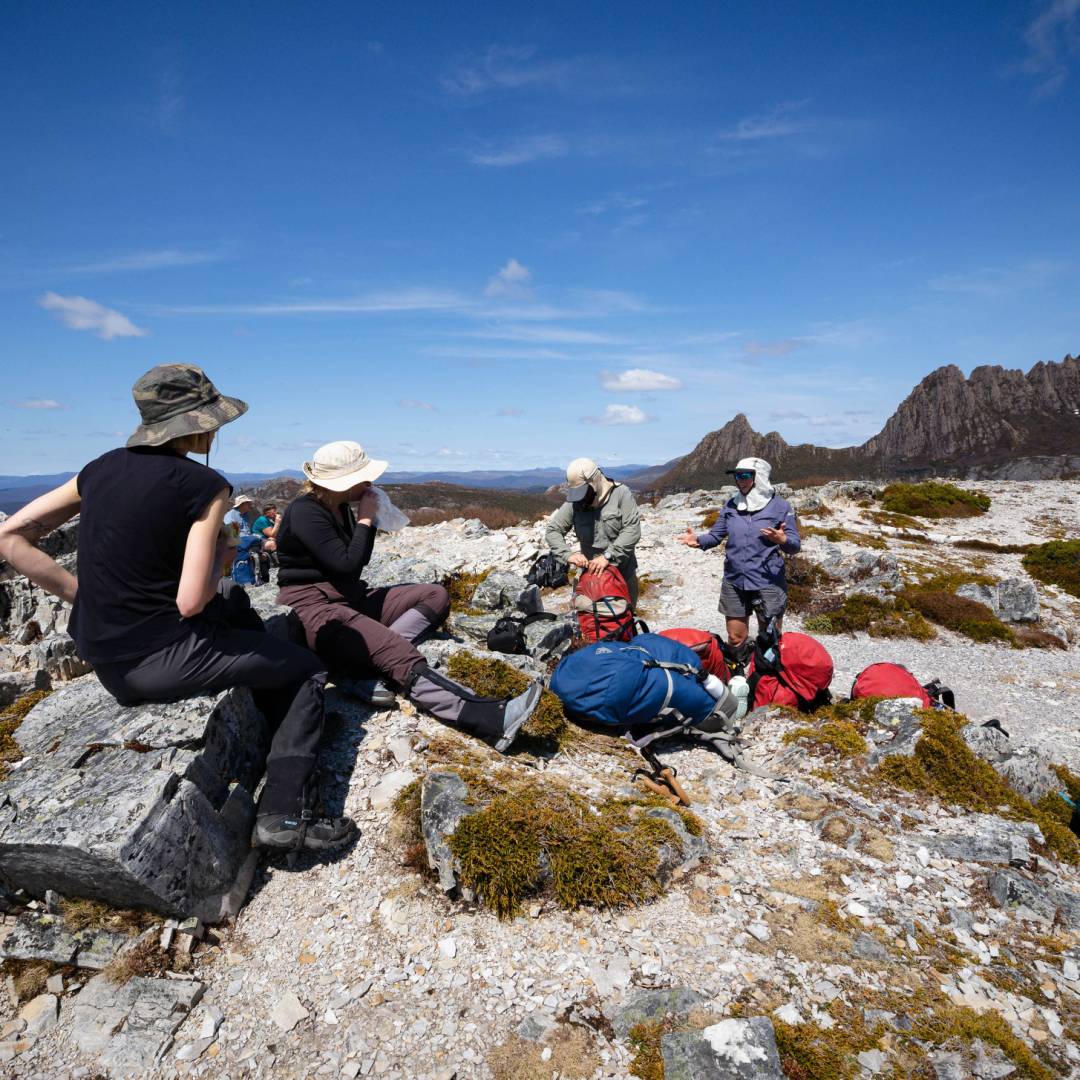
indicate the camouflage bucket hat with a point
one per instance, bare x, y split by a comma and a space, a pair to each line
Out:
176, 400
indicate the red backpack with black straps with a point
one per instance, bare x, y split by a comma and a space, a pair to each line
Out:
799, 677
706, 646
603, 607
895, 681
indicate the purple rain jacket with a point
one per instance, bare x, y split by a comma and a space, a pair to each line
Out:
752, 561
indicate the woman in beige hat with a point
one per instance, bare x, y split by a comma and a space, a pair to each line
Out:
605, 520
148, 612
325, 540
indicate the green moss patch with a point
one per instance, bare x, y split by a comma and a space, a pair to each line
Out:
461, 589
944, 766
531, 840
1056, 563
709, 519
878, 618
933, 499
968, 617
836, 738
837, 534
495, 678
896, 521
10, 719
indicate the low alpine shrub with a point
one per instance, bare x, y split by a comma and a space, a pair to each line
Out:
1056, 563
968, 617
933, 499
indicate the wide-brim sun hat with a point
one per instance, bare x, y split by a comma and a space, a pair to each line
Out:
176, 400
339, 466
751, 464
240, 500
578, 474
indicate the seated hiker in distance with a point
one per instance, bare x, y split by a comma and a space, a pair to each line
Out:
605, 520
325, 540
148, 610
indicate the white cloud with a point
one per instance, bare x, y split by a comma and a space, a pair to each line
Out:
637, 380
511, 280
617, 201
520, 151
79, 313
617, 415
778, 122
515, 68
413, 403
1053, 44
37, 403
553, 335
160, 259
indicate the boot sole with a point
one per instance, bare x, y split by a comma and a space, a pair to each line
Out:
309, 845
508, 737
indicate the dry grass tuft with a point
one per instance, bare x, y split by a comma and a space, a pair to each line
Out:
573, 1056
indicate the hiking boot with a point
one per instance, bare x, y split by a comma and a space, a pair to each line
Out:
291, 832
372, 692
517, 711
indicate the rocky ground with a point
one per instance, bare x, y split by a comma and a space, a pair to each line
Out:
843, 912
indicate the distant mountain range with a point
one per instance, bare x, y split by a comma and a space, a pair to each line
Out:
998, 423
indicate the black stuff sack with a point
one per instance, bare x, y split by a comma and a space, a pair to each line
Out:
508, 634
549, 572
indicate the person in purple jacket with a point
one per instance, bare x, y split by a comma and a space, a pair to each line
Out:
760, 529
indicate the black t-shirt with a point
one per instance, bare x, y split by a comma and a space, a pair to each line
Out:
138, 506
315, 544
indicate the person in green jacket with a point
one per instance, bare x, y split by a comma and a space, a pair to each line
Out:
605, 520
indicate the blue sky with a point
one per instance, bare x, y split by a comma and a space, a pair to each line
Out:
501, 236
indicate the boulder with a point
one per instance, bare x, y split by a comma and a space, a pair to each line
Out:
1013, 600
150, 806
17, 684
386, 570
1019, 766
989, 839
1011, 889
443, 805
728, 1050
648, 1006
39, 936
500, 589
895, 729
546, 640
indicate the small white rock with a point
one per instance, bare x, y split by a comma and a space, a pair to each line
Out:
288, 1012
860, 911
212, 1018
923, 855
447, 948
760, 931
904, 881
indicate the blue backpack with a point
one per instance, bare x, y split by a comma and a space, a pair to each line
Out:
246, 569
631, 683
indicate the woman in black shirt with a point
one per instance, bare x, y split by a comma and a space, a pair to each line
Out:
323, 547
148, 613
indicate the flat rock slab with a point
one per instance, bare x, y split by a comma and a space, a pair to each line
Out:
148, 806
728, 1050
649, 1006
45, 937
129, 1027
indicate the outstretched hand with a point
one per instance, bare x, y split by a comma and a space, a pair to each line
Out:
689, 538
777, 535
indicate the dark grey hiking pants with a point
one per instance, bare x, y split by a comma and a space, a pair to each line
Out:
228, 646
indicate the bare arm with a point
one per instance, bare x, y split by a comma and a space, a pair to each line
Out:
202, 558
20, 533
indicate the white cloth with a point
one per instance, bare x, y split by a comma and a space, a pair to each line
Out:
759, 495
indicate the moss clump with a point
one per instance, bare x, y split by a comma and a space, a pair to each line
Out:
10, 719
839, 738
948, 1021
1031, 637
530, 840
878, 618
944, 765
808, 584
495, 678
809, 1052
461, 589
648, 1063
837, 534
933, 499
405, 829
968, 617
997, 549
709, 519
896, 521
817, 511
1056, 563
145, 958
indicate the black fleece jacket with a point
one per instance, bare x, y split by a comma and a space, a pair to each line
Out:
315, 544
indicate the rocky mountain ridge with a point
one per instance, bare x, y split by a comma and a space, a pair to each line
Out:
995, 423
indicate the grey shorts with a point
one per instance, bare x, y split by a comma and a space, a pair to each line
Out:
738, 603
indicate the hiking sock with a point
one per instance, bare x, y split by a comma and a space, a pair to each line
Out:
416, 624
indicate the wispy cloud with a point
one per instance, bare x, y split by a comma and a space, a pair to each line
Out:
36, 403
160, 259
637, 380
554, 335
413, 403
510, 411
1052, 40
169, 103
470, 352
520, 151
502, 69
719, 337
997, 281
619, 415
511, 280
79, 313
418, 299
772, 348
779, 122
617, 202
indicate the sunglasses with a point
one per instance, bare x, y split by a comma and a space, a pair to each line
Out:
744, 476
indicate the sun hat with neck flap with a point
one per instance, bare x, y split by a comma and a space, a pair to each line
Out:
176, 400
339, 466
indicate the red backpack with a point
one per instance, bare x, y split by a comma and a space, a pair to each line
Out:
706, 646
799, 678
894, 681
602, 604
